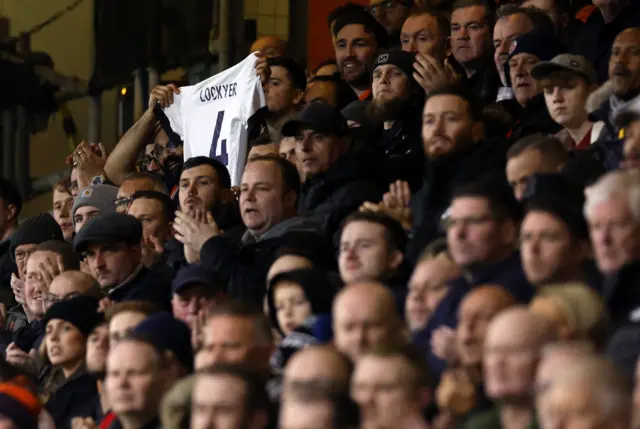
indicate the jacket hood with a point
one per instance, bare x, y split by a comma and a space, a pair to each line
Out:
318, 287
599, 96
294, 224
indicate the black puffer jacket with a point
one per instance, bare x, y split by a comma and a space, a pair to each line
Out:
534, 118
440, 180
149, 284
401, 147
244, 267
330, 197
77, 397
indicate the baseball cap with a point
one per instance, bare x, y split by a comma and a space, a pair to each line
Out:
195, 274
566, 62
322, 118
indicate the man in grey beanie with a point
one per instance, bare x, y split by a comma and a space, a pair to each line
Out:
92, 201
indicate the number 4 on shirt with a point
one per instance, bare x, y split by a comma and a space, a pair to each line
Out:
223, 157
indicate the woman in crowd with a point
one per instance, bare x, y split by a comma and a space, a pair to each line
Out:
69, 391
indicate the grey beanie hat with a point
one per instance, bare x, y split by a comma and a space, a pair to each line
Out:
102, 197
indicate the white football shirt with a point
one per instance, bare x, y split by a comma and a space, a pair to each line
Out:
212, 116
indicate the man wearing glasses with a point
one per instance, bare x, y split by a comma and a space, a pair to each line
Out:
391, 14
138, 181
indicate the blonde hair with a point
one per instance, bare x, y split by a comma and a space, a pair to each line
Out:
584, 309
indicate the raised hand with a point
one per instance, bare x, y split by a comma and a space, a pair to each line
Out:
193, 230
262, 69
17, 286
152, 251
163, 95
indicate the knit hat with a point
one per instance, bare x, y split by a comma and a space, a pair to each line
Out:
109, 228
316, 284
19, 405
397, 57
35, 230
81, 311
102, 197
544, 45
167, 333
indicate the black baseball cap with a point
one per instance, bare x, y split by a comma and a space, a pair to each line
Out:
322, 118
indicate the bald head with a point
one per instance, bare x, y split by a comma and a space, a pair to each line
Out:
270, 46
624, 70
364, 315
71, 283
476, 311
591, 393
512, 348
557, 358
520, 323
323, 366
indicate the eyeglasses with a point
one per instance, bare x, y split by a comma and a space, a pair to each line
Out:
449, 222
383, 6
122, 203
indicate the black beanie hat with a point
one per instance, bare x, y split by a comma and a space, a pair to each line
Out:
543, 44
397, 57
35, 230
81, 311
318, 287
566, 206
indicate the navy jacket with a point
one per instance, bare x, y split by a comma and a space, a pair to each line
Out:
150, 284
507, 273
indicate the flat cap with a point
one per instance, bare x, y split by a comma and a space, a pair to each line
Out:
108, 228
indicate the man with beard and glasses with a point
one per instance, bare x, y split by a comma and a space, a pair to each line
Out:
357, 38
146, 136
396, 97
624, 76
471, 24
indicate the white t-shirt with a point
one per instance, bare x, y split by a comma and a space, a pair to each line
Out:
212, 116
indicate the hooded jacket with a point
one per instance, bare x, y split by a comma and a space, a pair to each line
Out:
534, 118
329, 197
244, 266
600, 107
